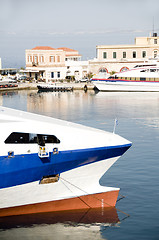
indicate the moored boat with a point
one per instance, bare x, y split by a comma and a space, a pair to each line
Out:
142, 78
47, 87
50, 165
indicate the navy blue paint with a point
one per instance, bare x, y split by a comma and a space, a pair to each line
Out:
27, 168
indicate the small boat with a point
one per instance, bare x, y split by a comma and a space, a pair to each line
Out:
53, 87
49, 165
142, 78
7, 82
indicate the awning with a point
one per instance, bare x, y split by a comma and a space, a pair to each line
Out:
31, 70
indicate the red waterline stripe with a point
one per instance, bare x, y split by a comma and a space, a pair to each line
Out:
106, 199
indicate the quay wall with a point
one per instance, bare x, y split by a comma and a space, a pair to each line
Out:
33, 86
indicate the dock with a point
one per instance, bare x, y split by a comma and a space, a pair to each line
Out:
33, 86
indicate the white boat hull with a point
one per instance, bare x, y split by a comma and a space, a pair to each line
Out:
76, 189
119, 86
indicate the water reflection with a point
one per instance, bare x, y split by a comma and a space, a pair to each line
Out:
97, 109
59, 103
61, 225
80, 106
111, 104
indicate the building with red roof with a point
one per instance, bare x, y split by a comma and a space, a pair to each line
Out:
43, 48
54, 63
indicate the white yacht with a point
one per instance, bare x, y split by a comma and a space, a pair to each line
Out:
142, 78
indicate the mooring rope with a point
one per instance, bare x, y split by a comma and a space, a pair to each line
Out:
91, 196
121, 197
73, 192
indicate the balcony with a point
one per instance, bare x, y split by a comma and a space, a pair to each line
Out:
34, 64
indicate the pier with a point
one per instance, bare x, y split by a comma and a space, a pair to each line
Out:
33, 86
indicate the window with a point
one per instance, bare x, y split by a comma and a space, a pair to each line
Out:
23, 138
58, 58
155, 41
144, 54
155, 54
103, 70
152, 70
124, 54
29, 58
145, 65
35, 59
41, 59
123, 69
104, 54
58, 74
52, 59
114, 54
52, 74
134, 54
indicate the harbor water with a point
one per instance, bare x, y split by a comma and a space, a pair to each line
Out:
136, 173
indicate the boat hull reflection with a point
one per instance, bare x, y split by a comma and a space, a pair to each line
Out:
104, 216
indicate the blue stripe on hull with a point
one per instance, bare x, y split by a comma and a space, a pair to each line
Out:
27, 168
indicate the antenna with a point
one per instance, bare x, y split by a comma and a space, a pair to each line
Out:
153, 27
115, 124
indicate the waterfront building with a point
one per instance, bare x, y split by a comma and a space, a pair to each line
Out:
8, 71
116, 58
54, 63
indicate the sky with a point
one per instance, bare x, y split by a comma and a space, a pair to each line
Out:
80, 25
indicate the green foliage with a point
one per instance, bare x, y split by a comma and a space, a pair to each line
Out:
112, 72
89, 75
